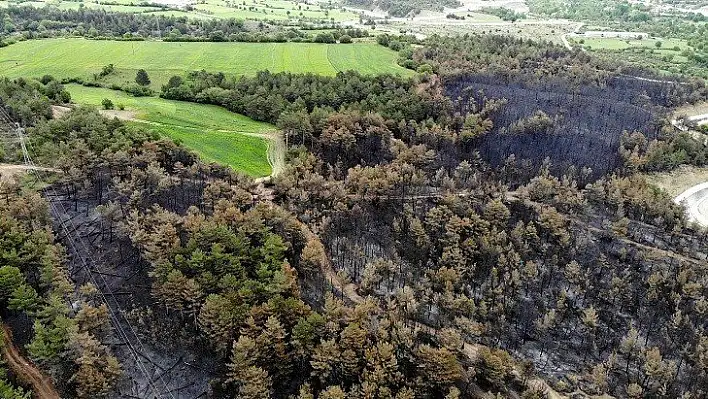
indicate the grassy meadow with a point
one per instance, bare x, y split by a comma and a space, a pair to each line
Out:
64, 58
215, 133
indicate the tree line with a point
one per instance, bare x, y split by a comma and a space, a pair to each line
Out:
27, 22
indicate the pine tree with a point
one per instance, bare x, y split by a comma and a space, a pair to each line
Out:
495, 365
326, 361
142, 78
333, 392
439, 367
273, 342
217, 322
252, 382
97, 368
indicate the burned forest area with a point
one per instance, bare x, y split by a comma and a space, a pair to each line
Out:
480, 230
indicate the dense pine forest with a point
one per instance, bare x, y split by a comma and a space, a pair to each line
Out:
477, 231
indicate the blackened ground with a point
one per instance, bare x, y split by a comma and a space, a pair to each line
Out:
590, 117
154, 364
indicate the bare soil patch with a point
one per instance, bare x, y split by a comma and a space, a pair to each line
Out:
123, 115
59, 110
690, 110
10, 172
679, 180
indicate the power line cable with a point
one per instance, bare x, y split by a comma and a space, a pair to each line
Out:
86, 265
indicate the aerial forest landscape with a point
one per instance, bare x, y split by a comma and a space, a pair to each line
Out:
353, 199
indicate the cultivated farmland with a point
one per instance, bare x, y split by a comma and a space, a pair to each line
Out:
215, 133
68, 58
273, 10
263, 10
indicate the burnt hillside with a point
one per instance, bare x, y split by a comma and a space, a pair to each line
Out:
587, 119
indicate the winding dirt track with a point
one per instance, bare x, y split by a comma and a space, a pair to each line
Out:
42, 387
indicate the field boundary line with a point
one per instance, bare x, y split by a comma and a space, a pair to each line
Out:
329, 60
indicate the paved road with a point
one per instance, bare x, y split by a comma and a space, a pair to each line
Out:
695, 199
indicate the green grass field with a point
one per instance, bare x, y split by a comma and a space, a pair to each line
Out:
213, 132
64, 58
669, 58
621, 44
274, 10
73, 5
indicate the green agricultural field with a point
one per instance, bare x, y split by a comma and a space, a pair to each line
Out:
667, 58
273, 10
64, 58
26, 3
622, 44
73, 5
215, 133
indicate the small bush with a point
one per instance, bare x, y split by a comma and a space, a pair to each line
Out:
107, 103
395, 45
142, 78
107, 70
425, 68
138, 91
324, 38
46, 79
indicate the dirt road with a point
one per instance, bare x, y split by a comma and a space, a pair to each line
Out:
275, 152
9, 172
42, 387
